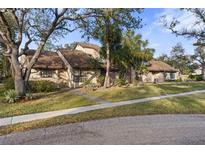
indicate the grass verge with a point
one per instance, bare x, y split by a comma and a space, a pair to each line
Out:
191, 104
116, 94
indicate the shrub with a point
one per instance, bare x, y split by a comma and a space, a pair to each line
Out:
42, 86
196, 77
101, 80
10, 96
120, 82
8, 83
29, 96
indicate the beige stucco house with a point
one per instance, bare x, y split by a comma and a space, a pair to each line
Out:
159, 71
72, 67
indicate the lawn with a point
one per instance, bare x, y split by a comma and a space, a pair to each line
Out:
190, 104
116, 94
2, 90
46, 102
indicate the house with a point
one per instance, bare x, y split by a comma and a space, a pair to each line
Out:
76, 66
159, 71
197, 71
72, 67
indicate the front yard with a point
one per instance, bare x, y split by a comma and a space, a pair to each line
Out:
116, 94
64, 100
191, 104
46, 102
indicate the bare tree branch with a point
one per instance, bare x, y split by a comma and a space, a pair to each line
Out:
4, 22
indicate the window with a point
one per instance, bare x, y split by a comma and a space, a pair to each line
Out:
46, 73
172, 76
79, 76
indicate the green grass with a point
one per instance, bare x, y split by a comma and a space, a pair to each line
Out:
2, 90
46, 102
116, 94
190, 104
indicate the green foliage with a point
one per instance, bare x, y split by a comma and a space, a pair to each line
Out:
4, 63
95, 63
120, 82
42, 86
133, 53
101, 79
10, 96
29, 96
180, 60
8, 83
196, 77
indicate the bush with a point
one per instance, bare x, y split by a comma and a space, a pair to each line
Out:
29, 96
120, 82
42, 86
10, 96
196, 77
8, 83
101, 80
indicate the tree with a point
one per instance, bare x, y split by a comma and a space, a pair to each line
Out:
199, 56
165, 58
105, 23
133, 54
197, 27
179, 59
32, 25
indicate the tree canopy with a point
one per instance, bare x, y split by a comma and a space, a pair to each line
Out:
106, 26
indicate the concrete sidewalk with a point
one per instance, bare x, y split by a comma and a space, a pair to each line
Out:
51, 114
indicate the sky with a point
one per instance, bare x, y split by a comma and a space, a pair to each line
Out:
161, 39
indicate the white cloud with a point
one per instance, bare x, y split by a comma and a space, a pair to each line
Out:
186, 18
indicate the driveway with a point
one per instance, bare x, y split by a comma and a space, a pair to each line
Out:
152, 129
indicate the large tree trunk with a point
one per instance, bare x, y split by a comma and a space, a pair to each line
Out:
19, 86
18, 77
203, 71
107, 76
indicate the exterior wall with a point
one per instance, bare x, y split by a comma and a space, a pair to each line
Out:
88, 75
89, 51
57, 76
197, 71
159, 76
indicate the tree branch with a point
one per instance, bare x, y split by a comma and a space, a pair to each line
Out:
7, 28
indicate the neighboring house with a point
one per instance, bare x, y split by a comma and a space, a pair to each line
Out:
159, 71
197, 71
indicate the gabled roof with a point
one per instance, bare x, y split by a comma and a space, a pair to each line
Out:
77, 59
47, 60
88, 45
159, 66
51, 60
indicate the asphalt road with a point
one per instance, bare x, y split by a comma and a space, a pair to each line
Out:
155, 129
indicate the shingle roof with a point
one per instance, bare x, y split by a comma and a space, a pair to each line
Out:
77, 59
51, 60
159, 66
